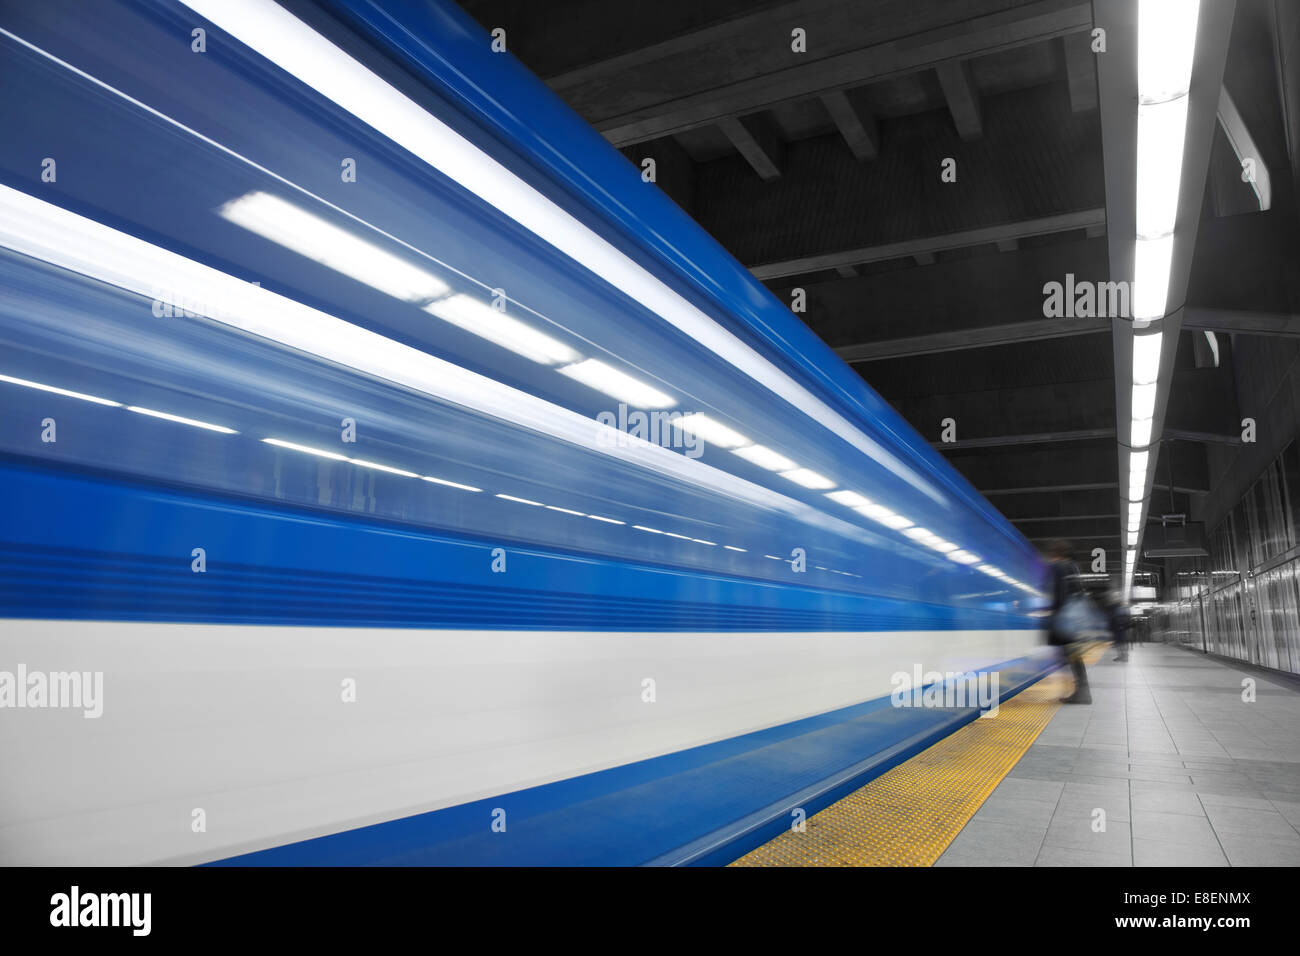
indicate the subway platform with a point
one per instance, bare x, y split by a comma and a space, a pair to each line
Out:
1180, 760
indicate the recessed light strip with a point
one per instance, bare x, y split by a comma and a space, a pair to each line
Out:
1166, 50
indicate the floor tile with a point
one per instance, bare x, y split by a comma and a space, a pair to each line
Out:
1154, 853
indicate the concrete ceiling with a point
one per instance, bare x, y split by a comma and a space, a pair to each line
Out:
821, 170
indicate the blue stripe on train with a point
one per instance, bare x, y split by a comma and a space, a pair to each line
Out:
79, 547
704, 806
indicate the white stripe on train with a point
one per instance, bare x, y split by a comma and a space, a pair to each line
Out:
249, 724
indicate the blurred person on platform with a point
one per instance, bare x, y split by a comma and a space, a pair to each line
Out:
1120, 621
1070, 610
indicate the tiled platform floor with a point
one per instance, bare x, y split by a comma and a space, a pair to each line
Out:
1185, 772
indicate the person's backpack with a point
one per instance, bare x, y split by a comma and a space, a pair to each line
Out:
1076, 618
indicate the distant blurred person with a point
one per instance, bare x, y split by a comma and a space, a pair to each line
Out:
1065, 630
1120, 623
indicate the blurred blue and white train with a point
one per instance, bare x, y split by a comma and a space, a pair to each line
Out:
405, 480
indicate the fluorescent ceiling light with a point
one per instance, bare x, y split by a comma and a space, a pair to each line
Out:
450, 484
183, 421
567, 511
1161, 129
674, 534
282, 38
1132, 539
60, 391
942, 546
378, 467
773, 557
1146, 358
730, 547
1144, 401
641, 527
474, 315
713, 432
963, 557
1166, 50
764, 457
711, 544
1152, 259
319, 452
605, 378
1166, 47
919, 534
808, 478
522, 501
336, 248
850, 498
606, 520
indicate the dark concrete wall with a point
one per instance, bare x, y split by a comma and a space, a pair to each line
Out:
1286, 19
1268, 390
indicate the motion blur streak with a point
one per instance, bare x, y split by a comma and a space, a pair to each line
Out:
296, 48
54, 235
411, 583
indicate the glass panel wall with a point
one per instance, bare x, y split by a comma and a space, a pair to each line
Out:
1243, 601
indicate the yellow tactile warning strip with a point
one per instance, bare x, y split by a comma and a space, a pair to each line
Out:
909, 815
